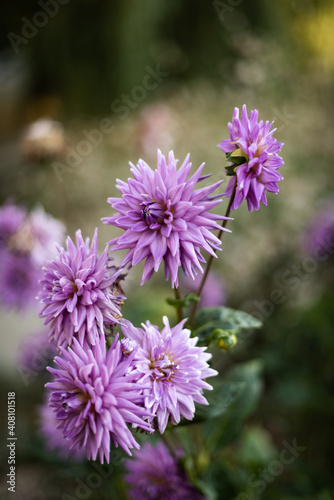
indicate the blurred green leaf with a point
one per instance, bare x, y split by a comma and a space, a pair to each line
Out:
189, 297
256, 447
216, 483
231, 321
225, 426
220, 399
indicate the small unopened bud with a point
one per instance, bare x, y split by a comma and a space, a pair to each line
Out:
227, 342
224, 339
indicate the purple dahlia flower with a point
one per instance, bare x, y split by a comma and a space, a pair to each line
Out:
18, 280
153, 473
164, 218
172, 368
34, 354
78, 293
11, 220
94, 397
319, 234
54, 440
46, 231
254, 156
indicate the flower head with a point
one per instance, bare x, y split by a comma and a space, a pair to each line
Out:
18, 280
153, 473
35, 353
254, 156
77, 290
319, 233
94, 396
11, 219
43, 139
165, 219
172, 368
46, 232
54, 440
33, 235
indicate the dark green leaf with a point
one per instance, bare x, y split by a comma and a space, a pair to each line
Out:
229, 320
225, 427
220, 399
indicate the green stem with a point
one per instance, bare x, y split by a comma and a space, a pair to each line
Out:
166, 437
208, 266
178, 308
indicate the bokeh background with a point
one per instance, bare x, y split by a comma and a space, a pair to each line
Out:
122, 79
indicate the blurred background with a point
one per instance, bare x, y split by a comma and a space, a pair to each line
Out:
87, 86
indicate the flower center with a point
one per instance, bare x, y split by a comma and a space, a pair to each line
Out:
74, 402
68, 287
152, 212
156, 214
161, 365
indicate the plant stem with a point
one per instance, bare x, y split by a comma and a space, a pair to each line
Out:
168, 442
209, 263
178, 308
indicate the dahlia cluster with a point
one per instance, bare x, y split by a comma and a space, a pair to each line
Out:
149, 378
26, 241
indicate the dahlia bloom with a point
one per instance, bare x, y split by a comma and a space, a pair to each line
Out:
33, 235
43, 139
94, 397
77, 293
53, 438
35, 353
164, 218
171, 367
11, 219
254, 156
18, 280
46, 231
153, 473
320, 231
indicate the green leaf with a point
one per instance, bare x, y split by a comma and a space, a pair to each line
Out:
230, 170
226, 425
231, 321
220, 399
256, 447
